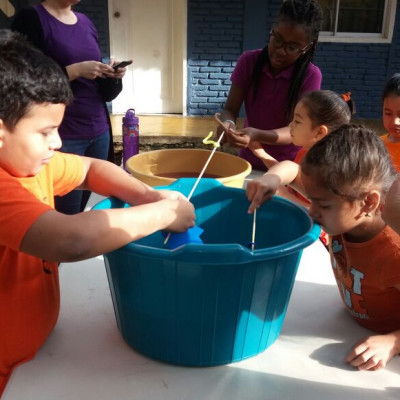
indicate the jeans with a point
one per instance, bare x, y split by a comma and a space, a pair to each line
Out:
75, 201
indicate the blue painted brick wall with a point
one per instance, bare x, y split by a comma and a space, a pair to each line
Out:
215, 41
215, 35
216, 31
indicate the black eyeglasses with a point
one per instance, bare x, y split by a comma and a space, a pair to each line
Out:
291, 49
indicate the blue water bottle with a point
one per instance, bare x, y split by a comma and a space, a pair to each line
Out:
130, 136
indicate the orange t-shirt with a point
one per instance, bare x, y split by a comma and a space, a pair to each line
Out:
29, 286
366, 275
299, 156
393, 149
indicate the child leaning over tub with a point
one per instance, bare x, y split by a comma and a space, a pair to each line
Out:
346, 175
34, 237
316, 114
391, 118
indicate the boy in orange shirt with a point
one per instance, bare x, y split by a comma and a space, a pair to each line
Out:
34, 237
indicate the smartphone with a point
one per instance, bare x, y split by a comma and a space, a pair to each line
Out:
122, 64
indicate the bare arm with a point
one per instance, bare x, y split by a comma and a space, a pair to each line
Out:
259, 152
58, 237
233, 103
264, 188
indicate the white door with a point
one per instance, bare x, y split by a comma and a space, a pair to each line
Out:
153, 34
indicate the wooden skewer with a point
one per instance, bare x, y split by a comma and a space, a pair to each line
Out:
253, 236
200, 176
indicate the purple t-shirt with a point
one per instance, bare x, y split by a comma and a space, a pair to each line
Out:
269, 108
86, 117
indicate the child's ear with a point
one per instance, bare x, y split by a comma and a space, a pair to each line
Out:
371, 202
322, 132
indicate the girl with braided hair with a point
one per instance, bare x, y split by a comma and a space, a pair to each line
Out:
270, 81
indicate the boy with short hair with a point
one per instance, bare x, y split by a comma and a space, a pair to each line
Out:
34, 237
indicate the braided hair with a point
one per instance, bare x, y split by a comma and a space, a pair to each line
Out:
303, 12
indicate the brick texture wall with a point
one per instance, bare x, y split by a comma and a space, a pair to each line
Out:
219, 31
215, 41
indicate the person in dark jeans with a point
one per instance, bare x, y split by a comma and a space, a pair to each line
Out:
70, 38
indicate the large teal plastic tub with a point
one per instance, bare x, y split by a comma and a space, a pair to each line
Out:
213, 303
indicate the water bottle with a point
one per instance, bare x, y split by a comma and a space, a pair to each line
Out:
130, 135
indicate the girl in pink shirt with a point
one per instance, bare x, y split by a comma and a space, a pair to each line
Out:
270, 81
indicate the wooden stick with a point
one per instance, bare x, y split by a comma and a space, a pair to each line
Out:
200, 176
253, 236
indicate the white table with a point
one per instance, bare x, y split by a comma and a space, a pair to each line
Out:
86, 357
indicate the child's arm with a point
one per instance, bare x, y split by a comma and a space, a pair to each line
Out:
375, 352
391, 208
259, 152
108, 180
58, 237
262, 189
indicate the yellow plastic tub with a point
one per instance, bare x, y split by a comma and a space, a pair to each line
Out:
162, 167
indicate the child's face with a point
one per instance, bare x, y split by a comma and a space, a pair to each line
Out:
391, 116
336, 214
301, 128
32, 142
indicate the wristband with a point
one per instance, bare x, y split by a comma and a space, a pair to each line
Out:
229, 121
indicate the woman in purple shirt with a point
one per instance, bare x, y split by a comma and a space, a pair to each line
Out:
269, 82
70, 38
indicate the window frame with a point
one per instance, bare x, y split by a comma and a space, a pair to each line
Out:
356, 37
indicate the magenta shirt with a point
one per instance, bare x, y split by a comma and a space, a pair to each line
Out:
86, 117
268, 109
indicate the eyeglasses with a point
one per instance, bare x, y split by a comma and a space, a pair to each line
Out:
291, 49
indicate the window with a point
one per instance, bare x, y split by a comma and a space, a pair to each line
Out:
358, 20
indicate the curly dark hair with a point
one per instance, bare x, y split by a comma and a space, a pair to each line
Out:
350, 161
27, 77
302, 12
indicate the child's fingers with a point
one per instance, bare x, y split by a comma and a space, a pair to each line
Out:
259, 198
251, 189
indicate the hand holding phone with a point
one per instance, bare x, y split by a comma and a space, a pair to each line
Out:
122, 64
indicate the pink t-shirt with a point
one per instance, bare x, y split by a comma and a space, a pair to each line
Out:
268, 110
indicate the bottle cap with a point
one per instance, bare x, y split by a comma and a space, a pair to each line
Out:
130, 117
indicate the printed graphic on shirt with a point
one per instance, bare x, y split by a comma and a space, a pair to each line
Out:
350, 281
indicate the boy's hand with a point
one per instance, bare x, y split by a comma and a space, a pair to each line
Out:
178, 214
171, 195
374, 352
262, 189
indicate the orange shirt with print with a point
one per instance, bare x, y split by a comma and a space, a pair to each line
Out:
393, 149
29, 286
366, 274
